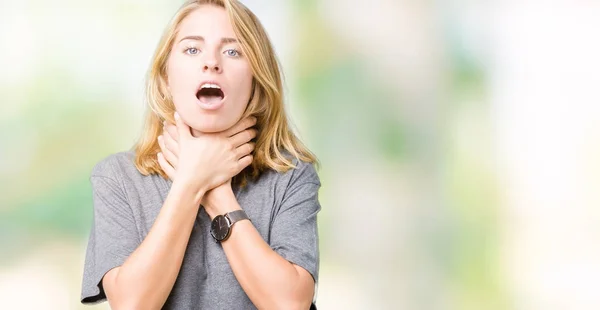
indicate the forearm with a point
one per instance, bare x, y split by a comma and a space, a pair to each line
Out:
146, 278
269, 280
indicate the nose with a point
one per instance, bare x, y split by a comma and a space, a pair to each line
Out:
211, 65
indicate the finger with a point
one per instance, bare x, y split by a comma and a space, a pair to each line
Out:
169, 171
182, 128
171, 129
241, 125
244, 149
171, 158
170, 143
243, 137
244, 162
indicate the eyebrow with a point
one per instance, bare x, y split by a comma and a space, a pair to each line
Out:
201, 38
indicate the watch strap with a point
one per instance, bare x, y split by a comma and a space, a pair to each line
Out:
236, 216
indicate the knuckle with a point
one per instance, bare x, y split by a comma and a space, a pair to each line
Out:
231, 145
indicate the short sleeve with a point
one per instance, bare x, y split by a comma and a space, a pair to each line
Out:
294, 233
113, 236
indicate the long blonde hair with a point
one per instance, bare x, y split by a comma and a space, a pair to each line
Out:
275, 139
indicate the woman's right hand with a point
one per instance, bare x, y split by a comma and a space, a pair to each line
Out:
211, 159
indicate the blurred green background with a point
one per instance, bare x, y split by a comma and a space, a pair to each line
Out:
459, 143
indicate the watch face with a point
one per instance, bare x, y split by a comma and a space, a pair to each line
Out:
219, 227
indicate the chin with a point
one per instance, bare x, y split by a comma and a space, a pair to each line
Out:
209, 129
211, 124
210, 121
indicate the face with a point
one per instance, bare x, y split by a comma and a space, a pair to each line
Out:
209, 79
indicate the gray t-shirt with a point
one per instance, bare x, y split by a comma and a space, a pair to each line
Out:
282, 206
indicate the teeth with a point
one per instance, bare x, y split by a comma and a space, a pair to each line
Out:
209, 85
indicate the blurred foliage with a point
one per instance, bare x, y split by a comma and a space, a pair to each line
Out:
62, 133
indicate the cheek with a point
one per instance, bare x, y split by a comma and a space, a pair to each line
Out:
171, 65
173, 75
178, 78
248, 76
245, 81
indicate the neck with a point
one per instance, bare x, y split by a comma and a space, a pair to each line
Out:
197, 133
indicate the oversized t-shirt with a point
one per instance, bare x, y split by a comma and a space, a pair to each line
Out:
282, 206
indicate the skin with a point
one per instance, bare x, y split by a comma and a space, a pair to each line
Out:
206, 49
270, 281
201, 153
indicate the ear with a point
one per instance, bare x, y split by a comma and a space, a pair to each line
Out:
164, 87
165, 82
253, 90
164, 76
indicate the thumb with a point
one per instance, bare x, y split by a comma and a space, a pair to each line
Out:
182, 128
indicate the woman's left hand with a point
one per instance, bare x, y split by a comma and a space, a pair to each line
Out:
168, 143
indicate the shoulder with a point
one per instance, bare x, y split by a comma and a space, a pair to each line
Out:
301, 172
115, 166
304, 172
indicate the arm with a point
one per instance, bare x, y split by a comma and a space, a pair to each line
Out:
266, 274
146, 278
269, 280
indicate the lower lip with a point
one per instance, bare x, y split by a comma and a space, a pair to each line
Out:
213, 106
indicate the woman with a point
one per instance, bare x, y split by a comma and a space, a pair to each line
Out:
217, 211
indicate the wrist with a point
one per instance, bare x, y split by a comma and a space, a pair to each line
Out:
221, 205
184, 189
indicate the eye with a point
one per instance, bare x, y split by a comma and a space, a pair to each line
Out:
191, 51
232, 52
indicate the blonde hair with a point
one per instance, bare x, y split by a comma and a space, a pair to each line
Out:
274, 138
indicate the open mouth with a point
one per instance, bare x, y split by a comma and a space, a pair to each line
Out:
210, 95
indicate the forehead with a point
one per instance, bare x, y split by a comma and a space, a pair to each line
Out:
208, 21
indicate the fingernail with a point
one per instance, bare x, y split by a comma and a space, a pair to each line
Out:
160, 138
164, 123
176, 115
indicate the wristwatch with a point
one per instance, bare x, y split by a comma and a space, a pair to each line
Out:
220, 228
